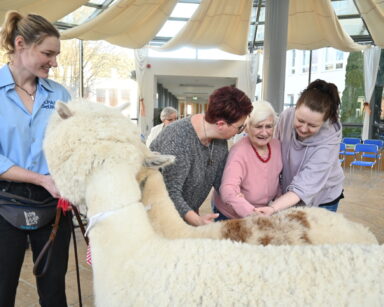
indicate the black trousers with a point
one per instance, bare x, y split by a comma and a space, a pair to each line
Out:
50, 286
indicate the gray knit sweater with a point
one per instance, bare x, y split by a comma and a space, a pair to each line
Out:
190, 179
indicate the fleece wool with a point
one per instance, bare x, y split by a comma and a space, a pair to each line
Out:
134, 266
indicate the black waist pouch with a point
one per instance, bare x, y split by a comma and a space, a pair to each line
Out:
26, 206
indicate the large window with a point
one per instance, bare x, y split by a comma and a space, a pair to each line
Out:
315, 58
290, 101
343, 69
68, 71
105, 73
377, 103
352, 99
305, 60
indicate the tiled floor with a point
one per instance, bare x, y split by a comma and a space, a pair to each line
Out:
364, 203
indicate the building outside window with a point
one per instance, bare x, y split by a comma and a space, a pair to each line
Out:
290, 101
305, 61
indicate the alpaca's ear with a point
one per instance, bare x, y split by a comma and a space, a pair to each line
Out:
63, 110
158, 160
123, 106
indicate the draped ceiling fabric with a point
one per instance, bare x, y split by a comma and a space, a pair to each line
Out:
222, 24
371, 67
219, 24
141, 59
127, 23
252, 69
313, 24
372, 11
52, 10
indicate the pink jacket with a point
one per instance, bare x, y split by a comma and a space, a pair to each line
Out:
248, 182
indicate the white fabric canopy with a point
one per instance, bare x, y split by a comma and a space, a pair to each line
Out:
219, 24
372, 11
128, 23
313, 24
52, 10
371, 66
141, 59
222, 24
252, 70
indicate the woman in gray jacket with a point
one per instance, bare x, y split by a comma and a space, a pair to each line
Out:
310, 136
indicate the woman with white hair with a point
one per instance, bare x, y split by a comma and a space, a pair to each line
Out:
167, 116
253, 167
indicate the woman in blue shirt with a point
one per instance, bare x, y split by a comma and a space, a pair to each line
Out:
27, 100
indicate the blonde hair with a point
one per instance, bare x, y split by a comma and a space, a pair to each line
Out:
33, 28
260, 112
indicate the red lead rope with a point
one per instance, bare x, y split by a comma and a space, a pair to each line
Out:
64, 205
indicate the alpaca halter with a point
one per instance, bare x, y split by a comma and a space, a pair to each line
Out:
105, 214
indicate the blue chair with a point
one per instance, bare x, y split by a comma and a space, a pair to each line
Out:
351, 141
380, 145
343, 150
350, 144
361, 152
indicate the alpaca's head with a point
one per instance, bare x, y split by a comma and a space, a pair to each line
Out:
81, 136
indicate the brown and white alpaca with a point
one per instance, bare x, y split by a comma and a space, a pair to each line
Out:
301, 225
100, 155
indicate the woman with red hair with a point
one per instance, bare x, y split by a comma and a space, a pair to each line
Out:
199, 144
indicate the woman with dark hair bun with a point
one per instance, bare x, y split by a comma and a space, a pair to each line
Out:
200, 145
310, 136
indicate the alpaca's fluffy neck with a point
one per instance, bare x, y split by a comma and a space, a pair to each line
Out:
114, 192
164, 217
122, 234
114, 241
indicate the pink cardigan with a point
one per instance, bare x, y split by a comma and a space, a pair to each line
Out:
247, 182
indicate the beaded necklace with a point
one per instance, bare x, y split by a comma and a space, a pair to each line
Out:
30, 94
260, 157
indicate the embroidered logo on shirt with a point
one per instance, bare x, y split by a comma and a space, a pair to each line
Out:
48, 104
31, 218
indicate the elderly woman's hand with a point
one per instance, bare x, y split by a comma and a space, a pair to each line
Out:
267, 210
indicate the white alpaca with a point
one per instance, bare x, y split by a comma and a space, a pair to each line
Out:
289, 227
111, 136
133, 266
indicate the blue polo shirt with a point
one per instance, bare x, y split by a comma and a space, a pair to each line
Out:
22, 133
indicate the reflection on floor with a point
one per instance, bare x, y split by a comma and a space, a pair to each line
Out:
364, 200
363, 203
